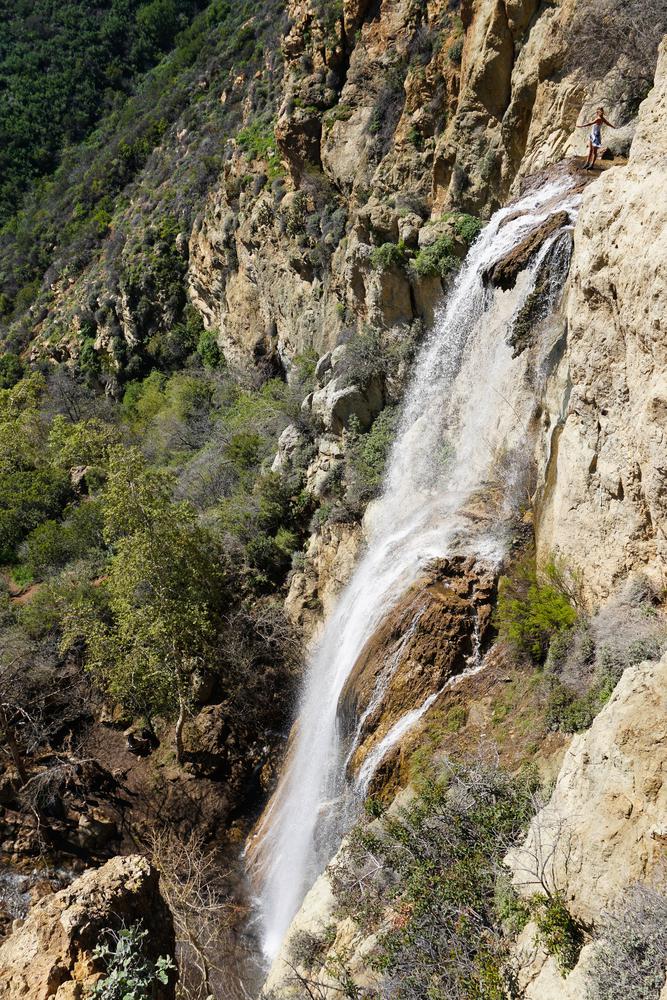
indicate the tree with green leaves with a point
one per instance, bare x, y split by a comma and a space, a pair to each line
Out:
166, 590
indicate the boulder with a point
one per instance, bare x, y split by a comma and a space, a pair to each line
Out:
288, 443
50, 955
333, 405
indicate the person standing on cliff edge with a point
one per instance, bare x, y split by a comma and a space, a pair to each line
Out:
595, 138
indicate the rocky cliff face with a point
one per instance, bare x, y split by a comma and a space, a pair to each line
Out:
600, 451
389, 119
603, 502
605, 824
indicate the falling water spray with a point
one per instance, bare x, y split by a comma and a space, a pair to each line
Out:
467, 390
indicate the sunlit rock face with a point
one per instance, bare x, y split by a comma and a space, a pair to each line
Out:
51, 953
604, 503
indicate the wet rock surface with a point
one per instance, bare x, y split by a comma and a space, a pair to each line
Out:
504, 272
436, 631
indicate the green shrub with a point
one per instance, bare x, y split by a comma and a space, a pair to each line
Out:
455, 51
389, 255
86, 442
26, 499
511, 910
432, 867
303, 369
258, 142
11, 370
341, 113
244, 450
572, 711
43, 614
468, 227
52, 544
534, 606
561, 934
130, 974
436, 260
629, 961
366, 459
415, 137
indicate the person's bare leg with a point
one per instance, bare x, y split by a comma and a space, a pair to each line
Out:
595, 156
589, 158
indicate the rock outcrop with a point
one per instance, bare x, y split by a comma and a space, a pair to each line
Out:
435, 632
604, 502
605, 825
329, 562
49, 955
390, 118
504, 272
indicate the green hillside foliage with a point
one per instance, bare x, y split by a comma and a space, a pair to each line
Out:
154, 536
151, 153
62, 65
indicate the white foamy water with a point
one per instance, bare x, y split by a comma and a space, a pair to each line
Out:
467, 407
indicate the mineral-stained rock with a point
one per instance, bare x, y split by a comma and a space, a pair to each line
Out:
431, 635
503, 273
50, 954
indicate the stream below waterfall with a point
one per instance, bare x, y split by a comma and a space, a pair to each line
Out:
463, 427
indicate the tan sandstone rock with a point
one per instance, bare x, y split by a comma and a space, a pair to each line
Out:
604, 826
50, 953
604, 503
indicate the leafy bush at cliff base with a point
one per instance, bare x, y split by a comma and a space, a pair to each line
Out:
31, 488
130, 974
629, 961
534, 605
424, 880
560, 933
585, 664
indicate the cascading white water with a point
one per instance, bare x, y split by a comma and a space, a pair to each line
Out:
467, 402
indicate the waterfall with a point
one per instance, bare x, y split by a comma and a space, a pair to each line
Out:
466, 409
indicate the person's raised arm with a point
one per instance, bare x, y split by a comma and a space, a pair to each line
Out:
609, 123
588, 124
